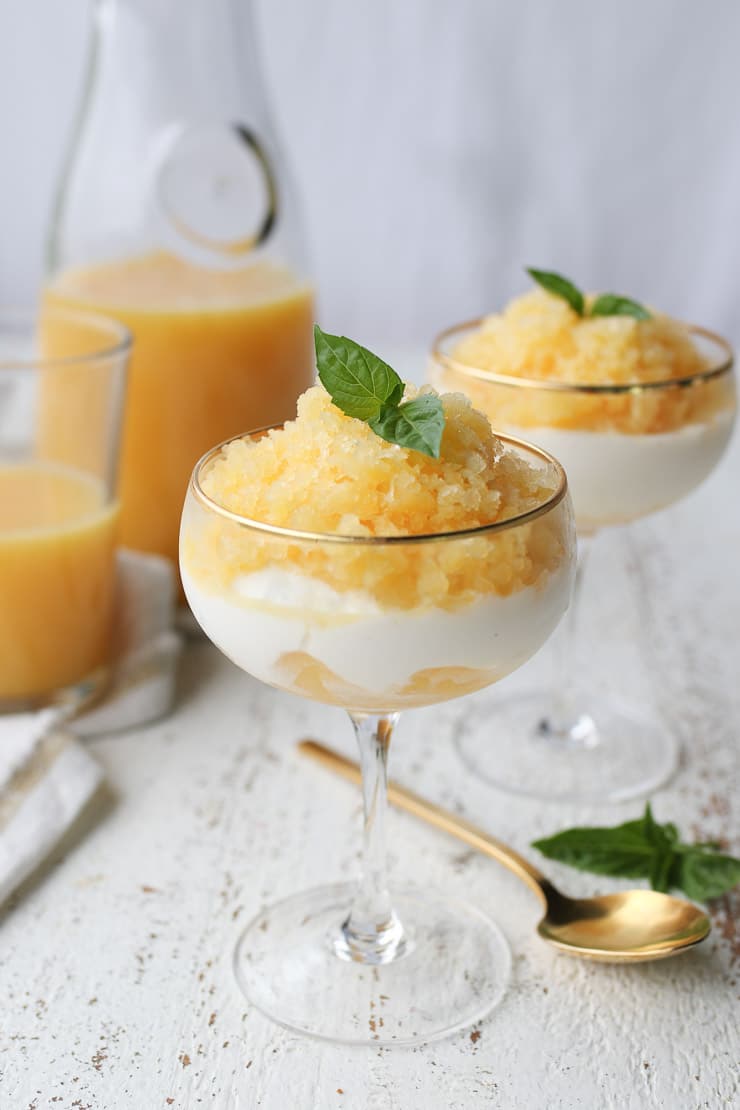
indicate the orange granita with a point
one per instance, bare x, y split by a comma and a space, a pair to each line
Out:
329, 473
366, 486
539, 337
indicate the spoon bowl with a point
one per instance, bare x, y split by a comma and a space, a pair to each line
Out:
632, 926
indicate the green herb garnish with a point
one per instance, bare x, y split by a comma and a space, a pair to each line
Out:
644, 849
363, 386
607, 304
560, 287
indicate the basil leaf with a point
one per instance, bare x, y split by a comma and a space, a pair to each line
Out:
661, 868
648, 824
559, 287
662, 837
703, 875
645, 849
623, 850
417, 424
359, 382
609, 304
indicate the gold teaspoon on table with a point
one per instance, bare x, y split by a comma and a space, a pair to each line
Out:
628, 927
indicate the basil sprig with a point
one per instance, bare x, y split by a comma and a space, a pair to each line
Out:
607, 304
645, 849
363, 386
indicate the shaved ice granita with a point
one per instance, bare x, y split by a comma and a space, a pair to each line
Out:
639, 408
384, 550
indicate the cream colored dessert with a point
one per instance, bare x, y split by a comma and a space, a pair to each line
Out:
627, 451
356, 619
616, 478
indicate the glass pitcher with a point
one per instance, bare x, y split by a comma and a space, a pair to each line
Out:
176, 215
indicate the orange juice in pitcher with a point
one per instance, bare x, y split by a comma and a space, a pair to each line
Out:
176, 216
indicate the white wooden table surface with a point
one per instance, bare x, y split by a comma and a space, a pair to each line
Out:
116, 980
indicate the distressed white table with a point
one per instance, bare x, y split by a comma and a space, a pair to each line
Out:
116, 981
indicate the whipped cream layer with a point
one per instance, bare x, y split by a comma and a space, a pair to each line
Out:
614, 478
265, 616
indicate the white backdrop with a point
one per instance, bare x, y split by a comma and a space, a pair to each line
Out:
442, 144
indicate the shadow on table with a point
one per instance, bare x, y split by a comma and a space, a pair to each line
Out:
200, 663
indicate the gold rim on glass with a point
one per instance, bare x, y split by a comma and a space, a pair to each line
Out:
723, 366
371, 541
28, 321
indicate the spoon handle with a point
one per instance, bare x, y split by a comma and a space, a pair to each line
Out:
435, 815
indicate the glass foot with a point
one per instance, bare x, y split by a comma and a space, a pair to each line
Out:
620, 753
454, 969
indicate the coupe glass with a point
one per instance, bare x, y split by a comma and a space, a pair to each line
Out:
545, 744
355, 965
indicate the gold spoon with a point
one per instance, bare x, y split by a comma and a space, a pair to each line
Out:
628, 927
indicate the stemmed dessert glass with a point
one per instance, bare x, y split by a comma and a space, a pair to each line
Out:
546, 744
357, 965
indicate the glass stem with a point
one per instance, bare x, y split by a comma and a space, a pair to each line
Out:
564, 720
373, 934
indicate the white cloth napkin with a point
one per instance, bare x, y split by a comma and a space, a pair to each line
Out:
46, 780
46, 776
146, 647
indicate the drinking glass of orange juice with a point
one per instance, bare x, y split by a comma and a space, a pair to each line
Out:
60, 420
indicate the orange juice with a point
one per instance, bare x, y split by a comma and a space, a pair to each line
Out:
57, 541
215, 353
